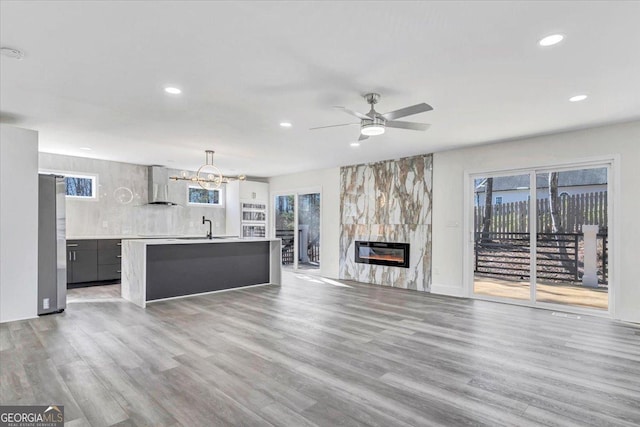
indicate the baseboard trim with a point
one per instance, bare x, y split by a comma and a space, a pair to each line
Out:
18, 319
452, 291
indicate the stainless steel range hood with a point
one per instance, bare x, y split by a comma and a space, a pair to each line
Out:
159, 186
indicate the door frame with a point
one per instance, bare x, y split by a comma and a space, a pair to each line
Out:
272, 226
613, 224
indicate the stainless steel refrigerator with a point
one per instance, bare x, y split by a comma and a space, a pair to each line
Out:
52, 251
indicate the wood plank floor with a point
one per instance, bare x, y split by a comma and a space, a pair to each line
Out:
97, 293
312, 353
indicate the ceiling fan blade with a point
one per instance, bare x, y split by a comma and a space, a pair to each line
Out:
407, 111
407, 125
363, 137
354, 113
333, 126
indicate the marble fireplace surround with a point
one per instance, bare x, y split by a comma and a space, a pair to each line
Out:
387, 201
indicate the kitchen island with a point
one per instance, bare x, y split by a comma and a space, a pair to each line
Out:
159, 269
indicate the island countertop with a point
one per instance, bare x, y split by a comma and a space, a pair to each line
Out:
190, 240
144, 237
159, 269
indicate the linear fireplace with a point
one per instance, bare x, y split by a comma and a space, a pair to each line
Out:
383, 253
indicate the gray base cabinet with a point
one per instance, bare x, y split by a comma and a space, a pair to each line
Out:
85, 266
109, 259
93, 260
82, 261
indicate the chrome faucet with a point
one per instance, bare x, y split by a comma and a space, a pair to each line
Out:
210, 233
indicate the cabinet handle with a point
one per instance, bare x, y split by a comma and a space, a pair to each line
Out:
118, 256
72, 245
74, 255
118, 271
118, 244
70, 252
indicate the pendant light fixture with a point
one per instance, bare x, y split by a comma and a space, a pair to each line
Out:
208, 175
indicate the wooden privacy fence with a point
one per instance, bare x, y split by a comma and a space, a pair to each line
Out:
575, 210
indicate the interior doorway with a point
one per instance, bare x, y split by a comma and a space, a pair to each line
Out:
541, 237
297, 218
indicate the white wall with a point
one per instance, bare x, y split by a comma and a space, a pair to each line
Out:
328, 180
448, 200
18, 223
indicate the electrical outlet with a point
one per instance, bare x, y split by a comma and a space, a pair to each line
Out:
45, 303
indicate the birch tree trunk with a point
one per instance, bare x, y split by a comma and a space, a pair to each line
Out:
554, 204
556, 222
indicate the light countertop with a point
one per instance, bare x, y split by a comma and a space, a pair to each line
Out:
178, 241
137, 237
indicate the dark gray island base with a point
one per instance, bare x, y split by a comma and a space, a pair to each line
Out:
176, 270
171, 268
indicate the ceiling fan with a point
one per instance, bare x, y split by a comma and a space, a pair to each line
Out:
374, 123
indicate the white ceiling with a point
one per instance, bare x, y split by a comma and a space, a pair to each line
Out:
93, 75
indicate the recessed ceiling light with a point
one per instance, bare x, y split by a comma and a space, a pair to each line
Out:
577, 98
86, 148
355, 144
173, 90
285, 124
551, 40
12, 53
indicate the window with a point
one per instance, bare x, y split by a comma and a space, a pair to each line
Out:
82, 187
200, 196
498, 200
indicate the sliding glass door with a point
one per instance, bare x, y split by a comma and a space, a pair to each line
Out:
571, 248
285, 227
541, 236
309, 231
502, 239
297, 223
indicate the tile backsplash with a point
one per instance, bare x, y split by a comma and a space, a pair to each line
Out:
121, 208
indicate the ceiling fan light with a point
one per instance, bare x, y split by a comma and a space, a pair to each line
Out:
372, 130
